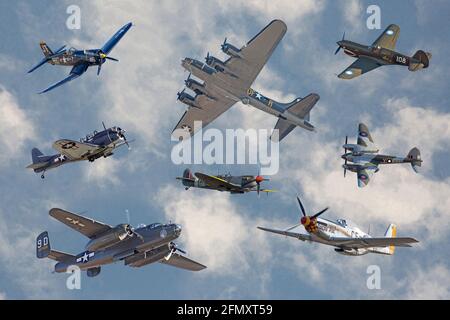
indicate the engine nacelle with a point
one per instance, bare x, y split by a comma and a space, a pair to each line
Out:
186, 98
92, 272
231, 50
148, 257
195, 86
352, 147
351, 252
110, 238
215, 63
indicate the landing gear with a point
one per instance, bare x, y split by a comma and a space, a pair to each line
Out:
91, 159
42, 176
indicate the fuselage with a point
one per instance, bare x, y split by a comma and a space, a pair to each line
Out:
107, 140
225, 83
72, 57
361, 159
328, 230
246, 183
152, 246
381, 55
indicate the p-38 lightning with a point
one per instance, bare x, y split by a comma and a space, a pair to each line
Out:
135, 247
80, 60
347, 238
229, 82
93, 146
366, 159
380, 53
227, 183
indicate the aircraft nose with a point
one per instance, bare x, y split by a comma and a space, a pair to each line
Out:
177, 229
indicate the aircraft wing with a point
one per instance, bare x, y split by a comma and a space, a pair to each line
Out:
360, 243
179, 261
88, 227
255, 54
76, 71
365, 140
359, 67
364, 175
75, 150
388, 38
216, 183
297, 235
210, 110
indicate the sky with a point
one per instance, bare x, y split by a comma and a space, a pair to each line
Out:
401, 108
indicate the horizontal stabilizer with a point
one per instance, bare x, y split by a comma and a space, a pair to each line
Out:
302, 107
420, 60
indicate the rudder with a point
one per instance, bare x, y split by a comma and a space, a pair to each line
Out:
415, 158
43, 245
45, 49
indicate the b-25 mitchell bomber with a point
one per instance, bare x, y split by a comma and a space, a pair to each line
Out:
224, 183
380, 53
80, 60
347, 238
366, 159
135, 247
93, 146
229, 82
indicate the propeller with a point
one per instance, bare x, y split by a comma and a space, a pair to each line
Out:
306, 220
173, 248
179, 94
186, 82
223, 46
258, 180
102, 57
339, 47
130, 230
208, 58
345, 151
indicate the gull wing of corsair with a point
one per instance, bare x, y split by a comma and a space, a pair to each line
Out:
365, 159
226, 83
341, 234
135, 247
80, 60
380, 53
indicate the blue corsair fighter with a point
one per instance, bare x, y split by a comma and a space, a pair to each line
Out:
81, 60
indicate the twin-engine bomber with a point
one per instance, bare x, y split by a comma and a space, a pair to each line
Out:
135, 247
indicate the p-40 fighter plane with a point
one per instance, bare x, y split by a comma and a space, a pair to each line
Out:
93, 146
228, 183
380, 53
81, 60
343, 235
366, 159
226, 83
135, 247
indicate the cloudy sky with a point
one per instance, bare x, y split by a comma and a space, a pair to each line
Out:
402, 109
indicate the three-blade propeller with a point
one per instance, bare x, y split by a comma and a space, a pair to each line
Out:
339, 46
102, 57
345, 152
173, 248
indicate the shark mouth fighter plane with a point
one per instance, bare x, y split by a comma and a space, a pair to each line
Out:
347, 238
80, 60
93, 146
229, 82
227, 183
135, 247
366, 159
380, 53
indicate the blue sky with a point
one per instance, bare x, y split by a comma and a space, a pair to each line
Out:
402, 109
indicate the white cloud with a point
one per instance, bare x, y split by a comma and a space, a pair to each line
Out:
432, 283
15, 127
103, 171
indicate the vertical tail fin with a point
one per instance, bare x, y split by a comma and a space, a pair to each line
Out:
46, 49
415, 158
391, 232
36, 154
420, 60
43, 245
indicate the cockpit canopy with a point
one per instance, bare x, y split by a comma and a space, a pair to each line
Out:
154, 225
71, 50
342, 222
